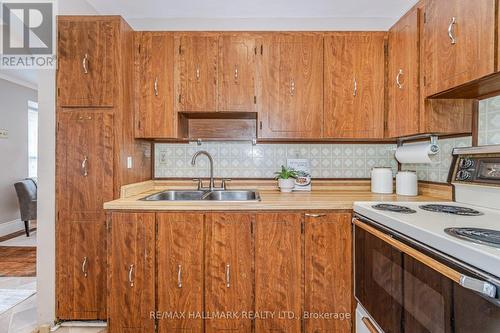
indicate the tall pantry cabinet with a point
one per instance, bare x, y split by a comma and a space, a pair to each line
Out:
94, 144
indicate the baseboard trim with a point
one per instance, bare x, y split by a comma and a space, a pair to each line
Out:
11, 227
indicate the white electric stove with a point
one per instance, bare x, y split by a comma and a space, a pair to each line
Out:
462, 237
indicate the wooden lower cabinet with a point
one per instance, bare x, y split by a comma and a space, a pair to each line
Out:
180, 273
328, 273
81, 280
131, 278
229, 271
278, 272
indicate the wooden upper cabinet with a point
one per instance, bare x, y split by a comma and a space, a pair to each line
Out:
195, 72
81, 276
328, 271
403, 80
84, 162
229, 270
180, 270
291, 87
131, 279
155, 116
354, 85
459, 42
278, 271
237, 71
86, 74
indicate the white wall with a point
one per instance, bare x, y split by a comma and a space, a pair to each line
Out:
13, 150
46, 174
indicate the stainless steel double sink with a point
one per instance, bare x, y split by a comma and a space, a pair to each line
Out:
194, 195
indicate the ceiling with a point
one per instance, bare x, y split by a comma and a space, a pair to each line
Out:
346, 14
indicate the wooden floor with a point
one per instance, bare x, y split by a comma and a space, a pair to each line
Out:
17, 261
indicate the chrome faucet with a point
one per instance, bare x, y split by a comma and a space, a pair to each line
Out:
211, 160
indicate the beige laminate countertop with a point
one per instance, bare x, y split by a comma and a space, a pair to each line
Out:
325, 198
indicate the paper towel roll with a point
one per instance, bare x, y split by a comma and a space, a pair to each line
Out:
416, 153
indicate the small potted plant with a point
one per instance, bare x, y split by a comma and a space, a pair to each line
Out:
286, 179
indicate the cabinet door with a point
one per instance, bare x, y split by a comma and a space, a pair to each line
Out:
196, 72
229, 270
84, 162
328, 272
459, 43
291, 88
81, 272
354, 85
180, 271
86, 62
278, 272
403, 113
155, 116
131, 279
237, 70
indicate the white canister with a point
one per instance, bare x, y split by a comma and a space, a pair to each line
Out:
382, 180
407, 183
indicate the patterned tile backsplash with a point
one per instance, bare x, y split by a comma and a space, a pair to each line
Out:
243, 160
489, 121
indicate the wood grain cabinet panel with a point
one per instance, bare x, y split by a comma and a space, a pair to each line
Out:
354, 81
328, 272
237, 70
84, 162
131, 269
278, 272
180, 271
155, 116
459, 43
229, 270
291, 87
86, 62
403, 80
81, 280
195, 73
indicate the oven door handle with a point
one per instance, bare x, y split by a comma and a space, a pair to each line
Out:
482, 287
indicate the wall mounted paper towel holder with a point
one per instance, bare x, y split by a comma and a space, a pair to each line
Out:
432, 137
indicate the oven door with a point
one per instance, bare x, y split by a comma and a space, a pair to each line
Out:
405, 288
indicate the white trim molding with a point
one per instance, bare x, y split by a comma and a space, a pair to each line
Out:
18, 81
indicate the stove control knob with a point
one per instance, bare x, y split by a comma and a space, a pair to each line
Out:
466, 163
463, 175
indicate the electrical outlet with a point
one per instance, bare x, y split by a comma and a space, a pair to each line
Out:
4, 134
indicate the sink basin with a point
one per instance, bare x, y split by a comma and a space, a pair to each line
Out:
217, 195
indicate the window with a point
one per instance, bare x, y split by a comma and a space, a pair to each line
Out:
32, 138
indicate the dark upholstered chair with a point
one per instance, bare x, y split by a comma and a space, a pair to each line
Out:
26, 194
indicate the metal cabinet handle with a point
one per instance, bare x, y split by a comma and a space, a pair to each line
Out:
315, 215
156, 86
179, 276
228, 276
451, 33
83, 168
84, 267
236, 74
130, 275
292, 87
198, 73
84, 63
355, 91
398, 79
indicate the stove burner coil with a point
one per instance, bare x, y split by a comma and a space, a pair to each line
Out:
394, 208
455, 210
476, 235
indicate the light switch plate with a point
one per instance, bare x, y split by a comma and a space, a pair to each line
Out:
4, 134
129, 162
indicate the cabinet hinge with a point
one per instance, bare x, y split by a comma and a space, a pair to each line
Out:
425, 17
260, 125
302, 227
179, 98
58, 92
251, 228
261, 49
180, 49
255, 50
425, 80
255, 100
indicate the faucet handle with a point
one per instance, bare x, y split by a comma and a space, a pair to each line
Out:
223, 182
200, 183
